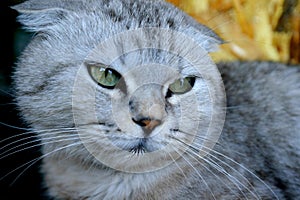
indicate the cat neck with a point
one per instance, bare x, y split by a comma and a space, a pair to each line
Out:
106, 183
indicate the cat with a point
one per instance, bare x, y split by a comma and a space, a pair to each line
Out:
128, 105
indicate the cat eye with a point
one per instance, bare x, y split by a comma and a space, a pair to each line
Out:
104, 76
181, 86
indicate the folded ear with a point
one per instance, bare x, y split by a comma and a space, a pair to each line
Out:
207, 38
38, 15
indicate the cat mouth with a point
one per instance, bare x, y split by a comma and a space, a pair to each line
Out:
140, 147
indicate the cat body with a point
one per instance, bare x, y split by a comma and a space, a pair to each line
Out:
150, 136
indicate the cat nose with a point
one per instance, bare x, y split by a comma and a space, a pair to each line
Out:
147, 124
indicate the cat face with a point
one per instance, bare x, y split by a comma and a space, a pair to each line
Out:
135, 91
148, 99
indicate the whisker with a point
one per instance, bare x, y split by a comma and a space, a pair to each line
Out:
36, 140
37, 145
215, 166
243, 167
200, 137
34, 161
210, 171
218, 168
222, 170
14, 127
34, 136
7, 93
198, 173
174, 160
30, 131
214, 28
228, 175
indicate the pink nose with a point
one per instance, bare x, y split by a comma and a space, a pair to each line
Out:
151, 124
147, 123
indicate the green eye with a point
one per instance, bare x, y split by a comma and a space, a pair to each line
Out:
182, 86
105, 77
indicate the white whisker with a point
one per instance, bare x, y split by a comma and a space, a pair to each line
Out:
9, 94
174, 160
243, 167
195, 156
36, 145
220, 169
200, 137
14, 127
198, 173
34, 161
33, 136
31, 131
212, 163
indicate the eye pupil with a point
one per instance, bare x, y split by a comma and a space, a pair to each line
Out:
106, 72
108, 75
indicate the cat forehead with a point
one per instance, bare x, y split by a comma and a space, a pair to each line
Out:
139, 59
150, 46
133, 50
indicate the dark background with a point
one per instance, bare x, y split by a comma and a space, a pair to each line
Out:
28, 186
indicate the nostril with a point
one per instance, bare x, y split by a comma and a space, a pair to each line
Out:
142, 122
147, 123
139, 122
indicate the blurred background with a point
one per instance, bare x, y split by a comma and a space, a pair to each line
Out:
253, 30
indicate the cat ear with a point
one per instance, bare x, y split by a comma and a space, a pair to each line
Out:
37, 15
207, 38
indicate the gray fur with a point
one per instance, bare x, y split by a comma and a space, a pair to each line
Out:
258, 153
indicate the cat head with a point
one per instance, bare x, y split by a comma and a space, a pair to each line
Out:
130, 77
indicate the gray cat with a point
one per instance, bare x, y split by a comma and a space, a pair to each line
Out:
128, 105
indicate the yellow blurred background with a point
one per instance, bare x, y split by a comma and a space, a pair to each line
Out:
253, 29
